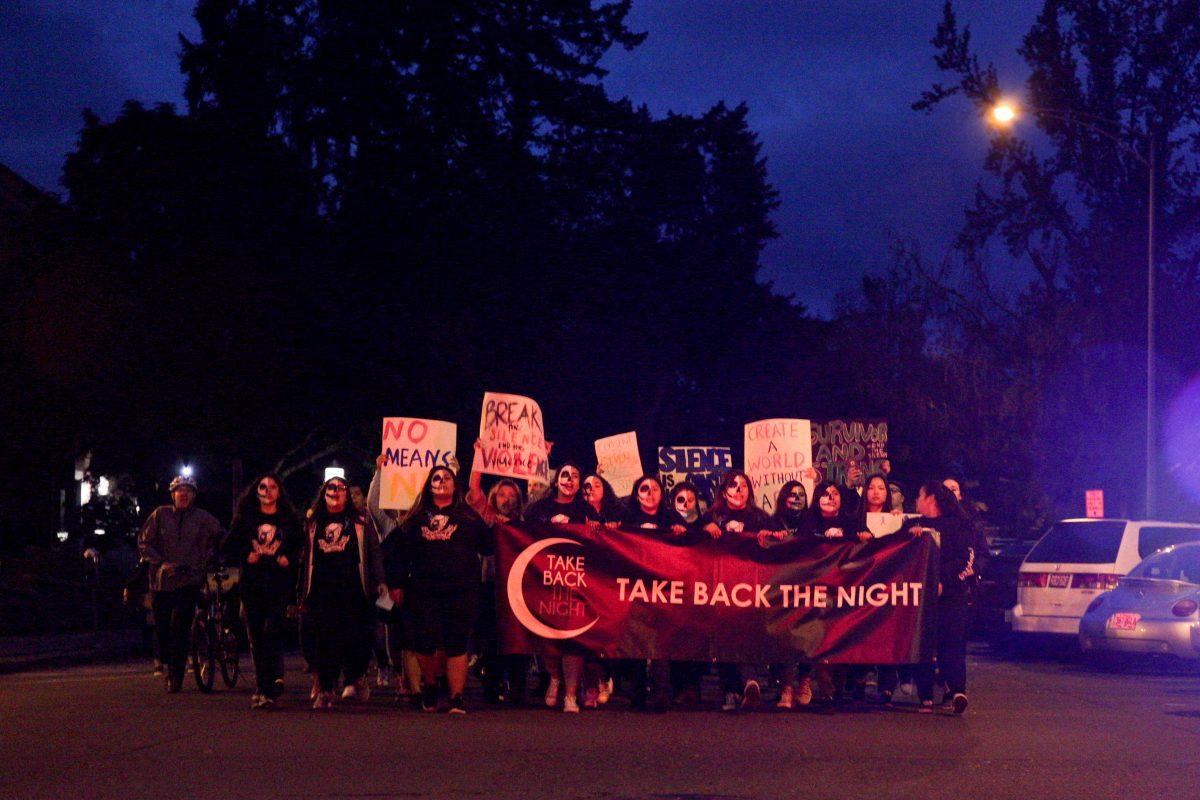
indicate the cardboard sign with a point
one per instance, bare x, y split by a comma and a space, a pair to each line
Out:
618, 458
412, 447
1094, 502
703, 466
837, 442
512, 438
777, 451
883, 523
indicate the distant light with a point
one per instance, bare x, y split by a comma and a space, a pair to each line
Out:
1004, 112
186, 471
99, 531
334, 472
85, 493
102, 487
62, 536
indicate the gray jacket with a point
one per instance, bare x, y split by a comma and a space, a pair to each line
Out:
188, 539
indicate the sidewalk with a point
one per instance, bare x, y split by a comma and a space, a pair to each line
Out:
18, 653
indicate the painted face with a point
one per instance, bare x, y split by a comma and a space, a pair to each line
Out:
954, 488
797, 499
649, 496
593, 490
183, 497
737, 493
926, 505
568, 482
268, 492
685, 504
335, 496
441, 484
831, 502
506, 499
876, 494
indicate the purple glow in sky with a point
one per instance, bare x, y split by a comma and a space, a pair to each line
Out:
829, 85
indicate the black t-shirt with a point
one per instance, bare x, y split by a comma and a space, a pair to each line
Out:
661, 521
840, 528
576, 512
270, 536
748, 520
335, 555
788, 520
956, 535
439, 549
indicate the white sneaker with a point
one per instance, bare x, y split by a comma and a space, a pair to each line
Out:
323, 701
552, 693
787, 697
383, 678
751, 694
804, 694
606, 690
570, 704
733, 701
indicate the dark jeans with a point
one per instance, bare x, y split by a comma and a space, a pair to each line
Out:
263, 614
734, 677
173, 614
342, 630
953, 612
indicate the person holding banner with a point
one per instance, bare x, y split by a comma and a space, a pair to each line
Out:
876, 499
562, 505
441, 540
790, 505
686, 676
685, 500
265, 539
734, 513
795, 688
940, 511
341, 575
598, 493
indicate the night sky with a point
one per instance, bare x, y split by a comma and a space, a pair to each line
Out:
829, 85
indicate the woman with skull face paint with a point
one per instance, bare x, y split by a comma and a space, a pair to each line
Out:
264, 539
790, 505
341, 576
562, 505
649, 514
441, 541
599, 494
687, 676
735, 513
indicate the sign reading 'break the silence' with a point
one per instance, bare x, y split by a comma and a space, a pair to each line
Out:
512, 438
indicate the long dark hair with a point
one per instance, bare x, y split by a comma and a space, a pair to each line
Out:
947, 503
424, 500
610, 506
814, 506
887, 497
247, 502
719, 502
784, 491
635, 504
317, 508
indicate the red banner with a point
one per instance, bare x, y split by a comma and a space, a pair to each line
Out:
640, 594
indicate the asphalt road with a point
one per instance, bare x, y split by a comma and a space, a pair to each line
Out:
1035, 728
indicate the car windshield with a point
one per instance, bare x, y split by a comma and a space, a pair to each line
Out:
1181, 564
1079, 543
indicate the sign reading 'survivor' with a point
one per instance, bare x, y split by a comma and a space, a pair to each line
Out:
412, 447
512, 438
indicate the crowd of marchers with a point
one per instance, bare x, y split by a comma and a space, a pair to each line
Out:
414, 591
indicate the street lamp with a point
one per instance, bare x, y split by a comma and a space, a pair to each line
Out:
1003, 114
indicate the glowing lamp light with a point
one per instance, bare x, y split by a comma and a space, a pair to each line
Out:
1003, 113
334, 472
102, 487
186, 471
62, 536
99, 531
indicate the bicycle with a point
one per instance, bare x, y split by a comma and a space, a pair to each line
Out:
214, 641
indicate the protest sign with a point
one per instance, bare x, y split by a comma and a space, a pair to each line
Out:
837, 442
412, 447
777, 451
884, 523
626, 594
618, 460
512, 438
703, 466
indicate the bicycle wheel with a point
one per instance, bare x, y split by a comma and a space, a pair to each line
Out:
204, 662
231, 658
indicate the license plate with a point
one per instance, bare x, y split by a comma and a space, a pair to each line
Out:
1124, 621
1060, 580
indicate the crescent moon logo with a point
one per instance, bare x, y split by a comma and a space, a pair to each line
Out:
516, 597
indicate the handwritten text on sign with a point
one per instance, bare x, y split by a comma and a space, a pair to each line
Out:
412, 447
777, 451
620, 461
512, 437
